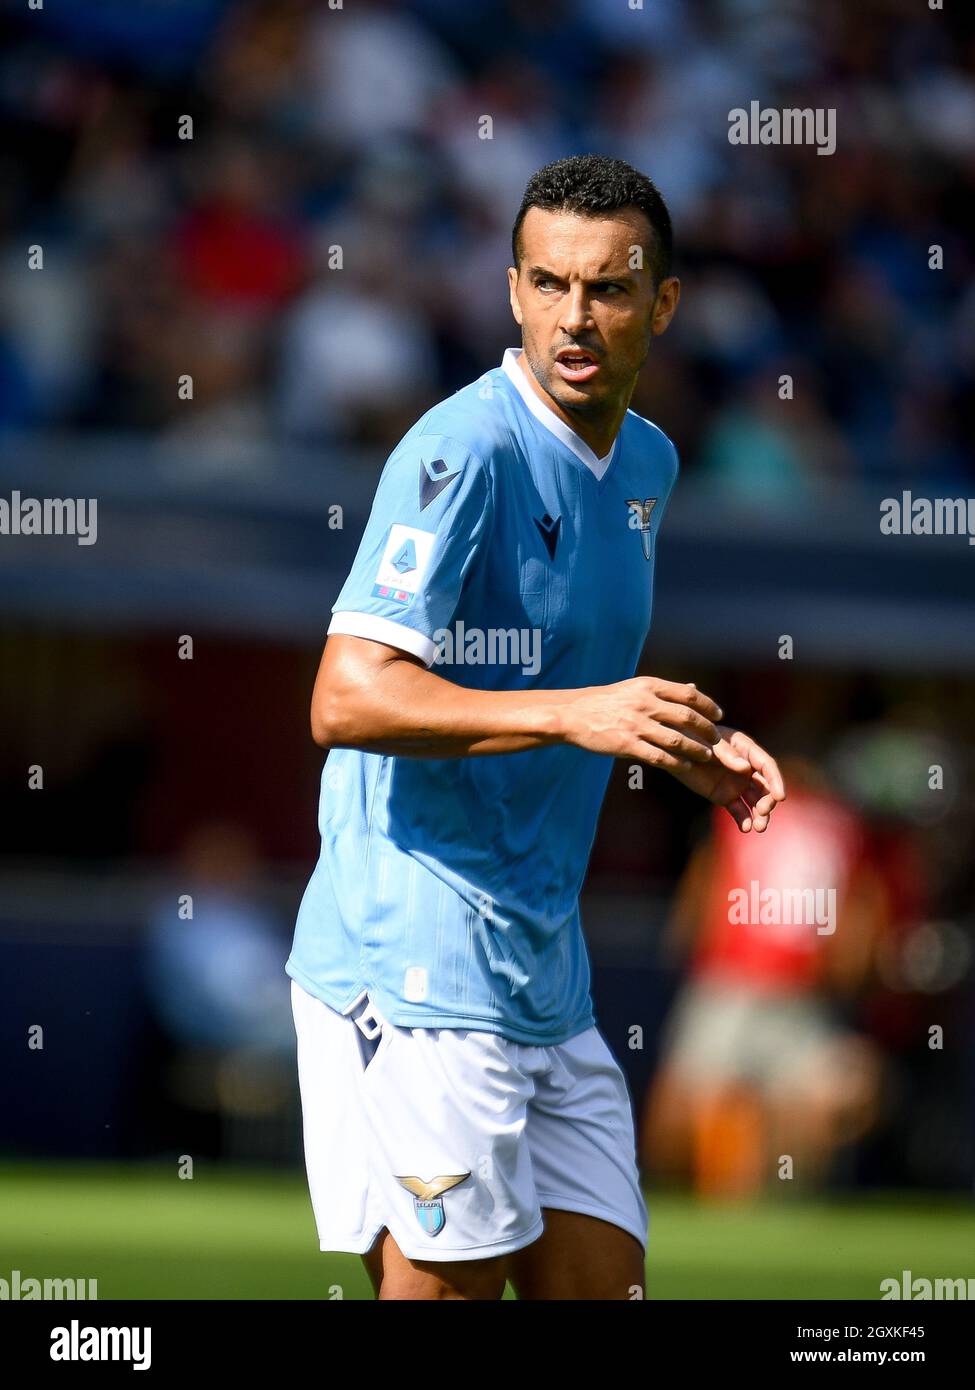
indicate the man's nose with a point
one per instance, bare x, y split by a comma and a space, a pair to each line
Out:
576, 316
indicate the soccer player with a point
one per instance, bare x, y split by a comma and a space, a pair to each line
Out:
465, 1123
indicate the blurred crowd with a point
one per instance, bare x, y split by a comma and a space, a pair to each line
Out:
325, 256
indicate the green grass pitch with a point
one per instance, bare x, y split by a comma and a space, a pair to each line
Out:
247, 1234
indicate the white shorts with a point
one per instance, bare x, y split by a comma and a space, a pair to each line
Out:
455, 1140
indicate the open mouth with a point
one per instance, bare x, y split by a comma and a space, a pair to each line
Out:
576, 364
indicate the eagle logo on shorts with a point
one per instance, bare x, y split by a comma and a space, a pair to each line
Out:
428, 1199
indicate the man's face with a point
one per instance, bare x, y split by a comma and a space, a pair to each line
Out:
576, 288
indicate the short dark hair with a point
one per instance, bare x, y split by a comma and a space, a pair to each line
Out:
592, 184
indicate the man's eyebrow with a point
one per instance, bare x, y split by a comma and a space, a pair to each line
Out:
622, 277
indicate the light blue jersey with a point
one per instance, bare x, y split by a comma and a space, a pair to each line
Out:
506, 556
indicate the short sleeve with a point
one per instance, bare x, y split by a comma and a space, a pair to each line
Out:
670, 473
674, 468
432, 511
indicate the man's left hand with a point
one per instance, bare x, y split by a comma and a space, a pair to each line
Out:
741, 776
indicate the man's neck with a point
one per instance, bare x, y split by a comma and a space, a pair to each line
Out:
599, 433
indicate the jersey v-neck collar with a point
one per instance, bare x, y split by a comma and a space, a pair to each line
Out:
552, 422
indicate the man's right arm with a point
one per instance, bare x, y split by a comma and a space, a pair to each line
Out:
383, 700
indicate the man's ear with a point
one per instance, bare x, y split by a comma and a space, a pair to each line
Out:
512, 294
665, 305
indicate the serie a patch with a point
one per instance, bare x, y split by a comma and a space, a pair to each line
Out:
404, 563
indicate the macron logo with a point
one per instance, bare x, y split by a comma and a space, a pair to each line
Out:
548, 529
434, 477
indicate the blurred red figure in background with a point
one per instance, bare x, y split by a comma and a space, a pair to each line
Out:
757, 1066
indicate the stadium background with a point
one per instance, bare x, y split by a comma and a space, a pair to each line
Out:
210, 256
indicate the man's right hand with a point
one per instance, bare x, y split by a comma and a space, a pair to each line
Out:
383, 700
662, 723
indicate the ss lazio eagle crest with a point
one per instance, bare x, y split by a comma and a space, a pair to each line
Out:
640, 514
428, 1199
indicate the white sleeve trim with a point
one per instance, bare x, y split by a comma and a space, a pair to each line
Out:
376, 629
